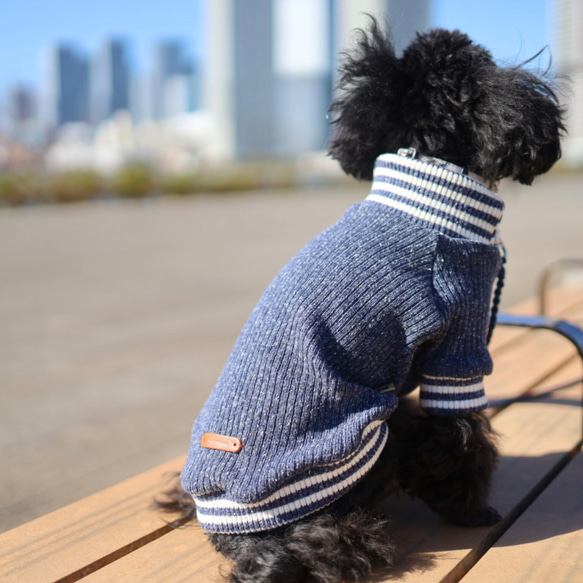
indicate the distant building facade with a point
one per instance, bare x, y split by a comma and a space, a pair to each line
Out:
20, 110
173, 80
271, 65
21, 103
78, 88
303, 74
568, 60
110, 80
406, 17
269, 74
267, 82
67, 86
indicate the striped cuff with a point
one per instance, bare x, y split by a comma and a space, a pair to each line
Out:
450, 396
305, 495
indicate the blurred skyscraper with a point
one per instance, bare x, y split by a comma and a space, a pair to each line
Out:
267, 81
404, 17
77, 89
568, 58
140, 97
181, 94
173, 80
20, 104
110, 79
67, 86
238, 88
271, 63
302, 68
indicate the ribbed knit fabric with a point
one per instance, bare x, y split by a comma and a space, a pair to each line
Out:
394, 295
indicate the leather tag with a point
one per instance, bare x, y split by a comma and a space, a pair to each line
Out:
221, 442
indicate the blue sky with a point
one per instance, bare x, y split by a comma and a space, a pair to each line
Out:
512, 29
29, 26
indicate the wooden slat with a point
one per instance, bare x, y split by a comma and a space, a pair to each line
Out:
113, 535
524, 358
546, 543
524, 365
533, 437
64, 545
180, 556
565, 302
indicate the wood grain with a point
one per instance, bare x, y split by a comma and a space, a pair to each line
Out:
69, 543
115, 536
546, 542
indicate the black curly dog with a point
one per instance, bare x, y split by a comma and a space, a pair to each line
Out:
446, 98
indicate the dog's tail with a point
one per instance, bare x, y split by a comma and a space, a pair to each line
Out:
176, 501
325, 548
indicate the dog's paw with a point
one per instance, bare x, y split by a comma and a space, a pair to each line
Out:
485, 517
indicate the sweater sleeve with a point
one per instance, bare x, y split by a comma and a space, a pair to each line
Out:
452, 374
444, 392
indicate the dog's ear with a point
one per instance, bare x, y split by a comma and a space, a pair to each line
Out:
366, 109
519, 124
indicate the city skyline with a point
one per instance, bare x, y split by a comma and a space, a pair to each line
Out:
263, 80
79, 85
28, 27
523, 30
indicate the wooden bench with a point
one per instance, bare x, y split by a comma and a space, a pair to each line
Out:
114, 535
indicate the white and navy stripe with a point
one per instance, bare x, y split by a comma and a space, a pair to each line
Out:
445, 395
219, 513
452, 202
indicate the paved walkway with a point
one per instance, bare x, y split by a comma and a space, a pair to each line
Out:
116, 318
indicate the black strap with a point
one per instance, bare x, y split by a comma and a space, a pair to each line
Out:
496, 298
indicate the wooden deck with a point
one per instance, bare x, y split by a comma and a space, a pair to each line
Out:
114, 536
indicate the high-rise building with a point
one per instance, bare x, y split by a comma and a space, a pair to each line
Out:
238, 77
403, 17
140, 97
271, 63
170, 62
110, 80
21, 103
302, 68
20, 106
67, 86
568, 59
180, 93
267, 80
254, 88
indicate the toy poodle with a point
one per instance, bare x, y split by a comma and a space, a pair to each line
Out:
309, 426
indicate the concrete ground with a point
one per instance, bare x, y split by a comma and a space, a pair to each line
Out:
116, 318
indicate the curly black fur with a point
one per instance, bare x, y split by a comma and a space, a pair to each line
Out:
325, 548
345, 542
445, 461
447, 98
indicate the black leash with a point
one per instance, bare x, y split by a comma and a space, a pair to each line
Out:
497, 296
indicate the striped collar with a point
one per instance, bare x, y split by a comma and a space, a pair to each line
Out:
449, 201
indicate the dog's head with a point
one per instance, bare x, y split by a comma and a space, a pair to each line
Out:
447, 98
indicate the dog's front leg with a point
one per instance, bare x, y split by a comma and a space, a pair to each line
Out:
448, 462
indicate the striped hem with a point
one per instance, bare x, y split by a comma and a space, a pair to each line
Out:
217, 513
447, 396
452, 202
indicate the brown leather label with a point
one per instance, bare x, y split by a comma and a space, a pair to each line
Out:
221, 442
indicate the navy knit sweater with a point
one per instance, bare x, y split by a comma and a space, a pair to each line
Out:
395, 295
